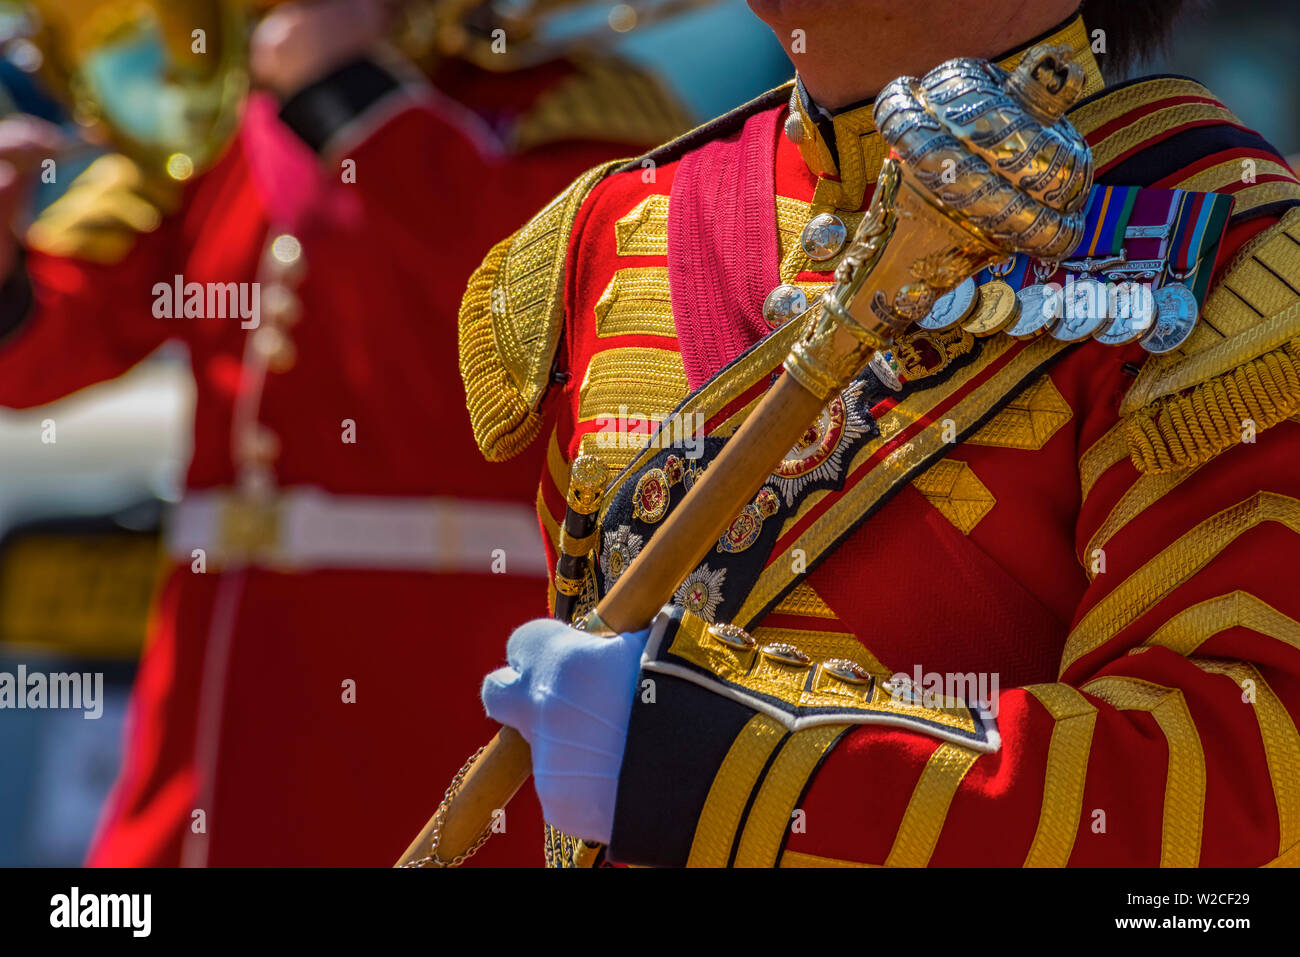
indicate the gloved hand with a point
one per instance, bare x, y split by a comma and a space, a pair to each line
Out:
570, 695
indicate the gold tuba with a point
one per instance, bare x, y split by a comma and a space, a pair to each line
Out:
161, 80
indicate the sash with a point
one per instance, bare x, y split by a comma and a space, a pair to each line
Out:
722, 201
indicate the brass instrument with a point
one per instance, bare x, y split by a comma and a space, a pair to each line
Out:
161, 80
982, 165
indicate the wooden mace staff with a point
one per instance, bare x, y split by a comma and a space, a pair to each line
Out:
889, 277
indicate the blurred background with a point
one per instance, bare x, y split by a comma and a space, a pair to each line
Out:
79, 545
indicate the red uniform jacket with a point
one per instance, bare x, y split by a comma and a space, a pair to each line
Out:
1111, 534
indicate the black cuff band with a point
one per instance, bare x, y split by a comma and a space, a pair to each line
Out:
15, 297
317, 112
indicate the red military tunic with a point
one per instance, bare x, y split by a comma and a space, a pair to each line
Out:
1101, 540
292, 709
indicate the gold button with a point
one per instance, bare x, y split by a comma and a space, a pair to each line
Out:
824, 236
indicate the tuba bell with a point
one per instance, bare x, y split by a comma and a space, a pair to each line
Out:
160, 80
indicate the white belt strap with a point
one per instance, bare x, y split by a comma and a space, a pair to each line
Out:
306, 528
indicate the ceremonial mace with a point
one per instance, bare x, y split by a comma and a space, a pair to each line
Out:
982, 165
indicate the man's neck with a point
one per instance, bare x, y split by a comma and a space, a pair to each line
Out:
847, 62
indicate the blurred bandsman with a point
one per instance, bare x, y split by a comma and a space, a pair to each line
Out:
342, 558
1025, 593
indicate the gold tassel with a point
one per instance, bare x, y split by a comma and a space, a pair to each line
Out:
503, 423
1180, 431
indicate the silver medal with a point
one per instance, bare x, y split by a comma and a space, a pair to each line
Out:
1085, 310
950, 308
1176, 313
1040, 307
1135, 313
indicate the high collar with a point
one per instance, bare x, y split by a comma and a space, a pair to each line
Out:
845, 151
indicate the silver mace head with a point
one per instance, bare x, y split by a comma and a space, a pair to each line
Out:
982, 165
993, 148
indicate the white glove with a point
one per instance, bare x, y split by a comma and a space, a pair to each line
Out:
570, 695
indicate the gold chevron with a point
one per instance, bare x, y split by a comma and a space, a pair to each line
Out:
1029, 420
954, 489
1184, 805
636, 303
644, 231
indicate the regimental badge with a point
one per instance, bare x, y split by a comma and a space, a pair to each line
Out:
921, 353
617, 551
650, 499
744, 531
653, 490
819, 453
701, 592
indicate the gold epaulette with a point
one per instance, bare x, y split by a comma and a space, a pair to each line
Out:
103, 213
606, 100
1238, 374
510, 324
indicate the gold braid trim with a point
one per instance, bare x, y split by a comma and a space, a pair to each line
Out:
504, 424
510, 323
1237, 372
1181, 431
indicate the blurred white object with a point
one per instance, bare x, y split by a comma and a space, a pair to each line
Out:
115, 445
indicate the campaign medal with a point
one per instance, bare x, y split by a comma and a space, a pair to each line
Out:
1202, 220
998, 305
1176, 314
1040, 305
950, 308
1135, 313
1085, 310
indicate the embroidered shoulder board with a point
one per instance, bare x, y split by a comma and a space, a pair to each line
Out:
510, 323
1238, 373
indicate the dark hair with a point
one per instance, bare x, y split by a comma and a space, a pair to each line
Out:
1135, 29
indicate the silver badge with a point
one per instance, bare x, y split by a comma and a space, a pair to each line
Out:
1176, 313
951, 308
